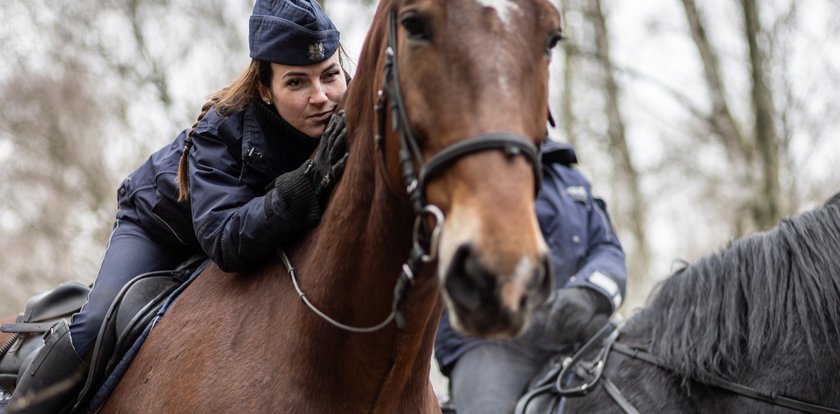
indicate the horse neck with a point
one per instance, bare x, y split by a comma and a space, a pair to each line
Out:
352, 260
365, 233
350, 264
354, 257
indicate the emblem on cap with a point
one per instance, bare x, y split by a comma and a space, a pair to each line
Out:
316, 51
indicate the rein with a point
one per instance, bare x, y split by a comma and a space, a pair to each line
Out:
742, 390
424, 242
607, 337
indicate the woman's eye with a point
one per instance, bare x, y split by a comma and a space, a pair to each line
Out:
332, 75
294, 83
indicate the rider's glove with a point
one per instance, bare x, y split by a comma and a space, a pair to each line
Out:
576, 314
303, 192
328, 163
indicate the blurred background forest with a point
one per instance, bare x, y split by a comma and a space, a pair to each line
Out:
697, 122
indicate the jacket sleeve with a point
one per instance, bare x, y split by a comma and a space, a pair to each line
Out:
229, 217
604, 268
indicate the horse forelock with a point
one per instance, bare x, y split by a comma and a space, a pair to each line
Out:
776, 292
484, 63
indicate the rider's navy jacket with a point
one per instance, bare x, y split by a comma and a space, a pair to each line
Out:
234, 158
585, 250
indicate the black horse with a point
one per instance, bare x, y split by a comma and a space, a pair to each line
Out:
761, 316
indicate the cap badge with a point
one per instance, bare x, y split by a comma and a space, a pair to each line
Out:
316, 51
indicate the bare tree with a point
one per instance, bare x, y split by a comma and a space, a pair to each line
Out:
588, 70
86, 107
753, 153
632, 209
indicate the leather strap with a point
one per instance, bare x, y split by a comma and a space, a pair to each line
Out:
26, 327
721, 383
617, 396
604, 338
511, 144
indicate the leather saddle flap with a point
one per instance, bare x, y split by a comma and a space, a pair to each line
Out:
65, 299
42, 311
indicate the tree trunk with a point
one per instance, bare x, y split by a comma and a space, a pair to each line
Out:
754, 158
567, 114
766, 202
625, 171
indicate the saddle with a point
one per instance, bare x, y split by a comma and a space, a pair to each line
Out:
136, 305
42, 311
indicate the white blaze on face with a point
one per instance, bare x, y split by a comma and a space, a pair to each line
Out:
503, 8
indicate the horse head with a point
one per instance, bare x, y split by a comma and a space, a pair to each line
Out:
451, 151
463, 104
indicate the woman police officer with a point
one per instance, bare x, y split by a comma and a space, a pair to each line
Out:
245, 184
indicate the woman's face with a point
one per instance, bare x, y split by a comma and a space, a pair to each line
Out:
305, 96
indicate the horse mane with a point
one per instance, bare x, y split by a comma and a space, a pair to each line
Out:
767, 293
359, 100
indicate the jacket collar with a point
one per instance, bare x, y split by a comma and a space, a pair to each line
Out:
269, 144
255, 151
554, 152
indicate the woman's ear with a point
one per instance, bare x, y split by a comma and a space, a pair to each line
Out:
265, 94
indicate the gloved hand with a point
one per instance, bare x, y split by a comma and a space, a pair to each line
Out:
576, 314
328, 163
302, 193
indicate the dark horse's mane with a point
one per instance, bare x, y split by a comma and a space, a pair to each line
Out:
759, 296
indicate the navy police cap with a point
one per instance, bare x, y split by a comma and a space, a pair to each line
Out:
291, 32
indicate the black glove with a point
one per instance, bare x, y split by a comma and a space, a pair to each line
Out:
328, 163
303, 192
576, 314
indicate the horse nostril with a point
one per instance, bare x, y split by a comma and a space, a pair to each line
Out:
466, 278
537, 279
542, 283
523, 302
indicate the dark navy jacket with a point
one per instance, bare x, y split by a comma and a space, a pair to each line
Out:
233, 160
585, 250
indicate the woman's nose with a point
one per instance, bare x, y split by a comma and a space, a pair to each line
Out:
319, 95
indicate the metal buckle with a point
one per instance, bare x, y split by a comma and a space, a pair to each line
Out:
429, 255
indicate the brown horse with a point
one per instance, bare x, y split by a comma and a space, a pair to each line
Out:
451, 70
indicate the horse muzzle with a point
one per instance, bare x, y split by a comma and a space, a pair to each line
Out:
489, 303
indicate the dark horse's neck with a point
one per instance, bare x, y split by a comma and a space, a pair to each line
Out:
348, 266
768, 300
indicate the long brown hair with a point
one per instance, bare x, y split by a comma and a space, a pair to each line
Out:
230, 99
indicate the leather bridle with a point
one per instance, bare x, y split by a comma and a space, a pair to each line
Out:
425, 241
607, 340
410, 155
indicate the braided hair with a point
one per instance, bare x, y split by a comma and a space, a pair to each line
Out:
228, 100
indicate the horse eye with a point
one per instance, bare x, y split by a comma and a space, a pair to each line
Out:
552, 42
416, 27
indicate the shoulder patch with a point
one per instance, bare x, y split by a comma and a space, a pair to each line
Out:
578, 193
